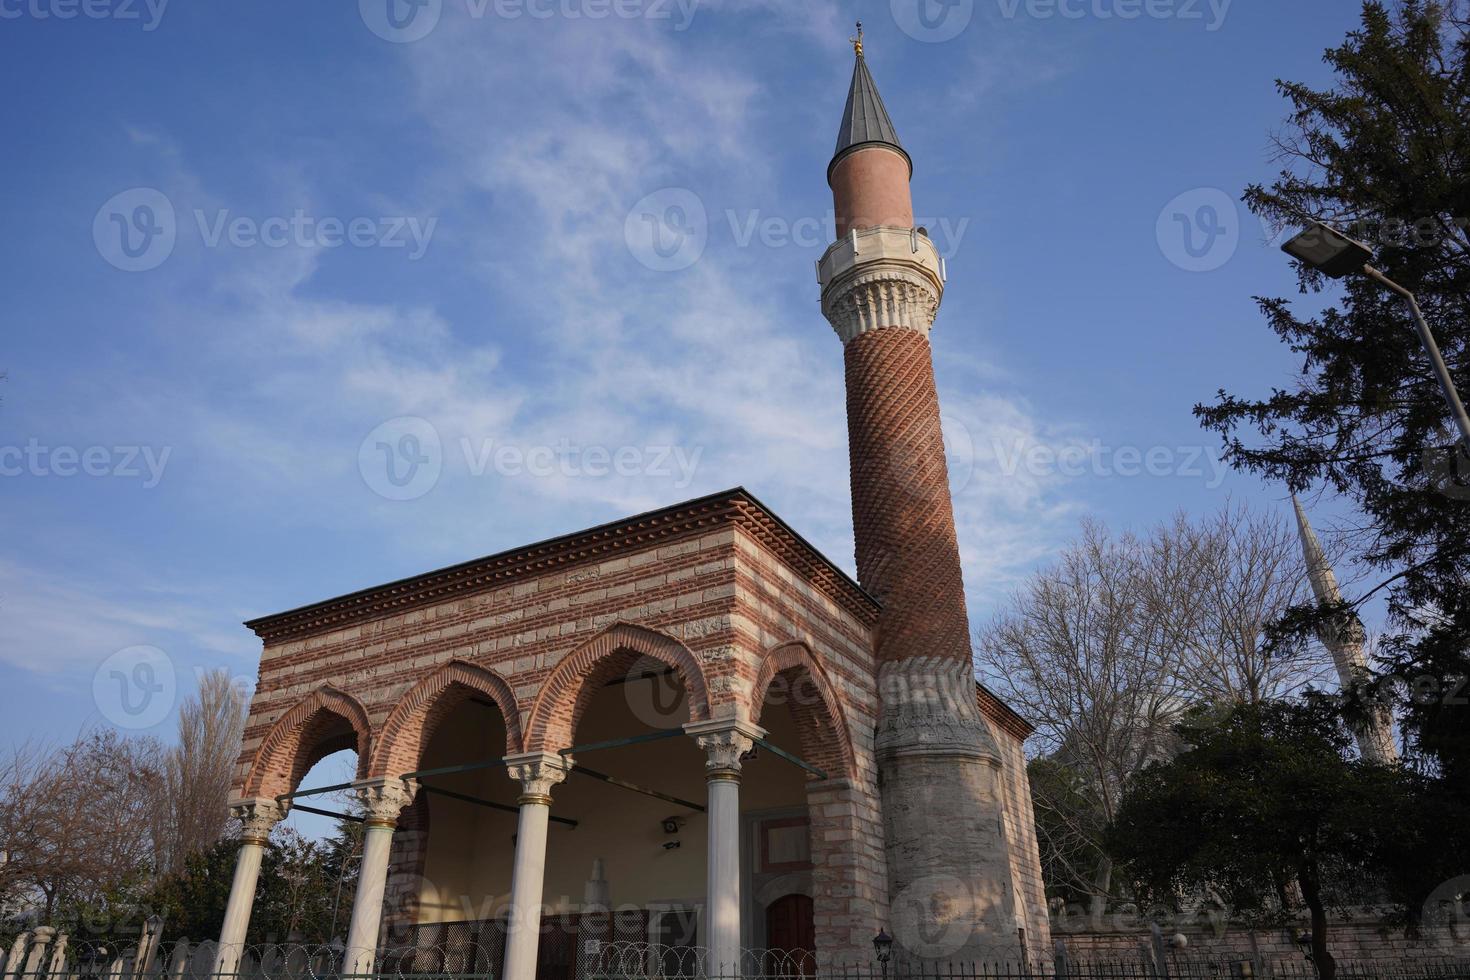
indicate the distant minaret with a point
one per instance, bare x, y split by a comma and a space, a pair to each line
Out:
1344, 640
939, 769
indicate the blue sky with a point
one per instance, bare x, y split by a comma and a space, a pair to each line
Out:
345, 241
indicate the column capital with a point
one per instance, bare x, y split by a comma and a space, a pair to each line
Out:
257, 815
385, 797
537, 772
724, 741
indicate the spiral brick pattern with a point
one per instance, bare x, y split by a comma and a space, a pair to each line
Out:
907, 553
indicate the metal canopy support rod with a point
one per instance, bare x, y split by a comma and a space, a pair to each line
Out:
634, 787
314, 792
618, 743
783, 754
465, 797
327, 813
450, 770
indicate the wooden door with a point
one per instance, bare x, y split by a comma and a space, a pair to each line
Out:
791, 937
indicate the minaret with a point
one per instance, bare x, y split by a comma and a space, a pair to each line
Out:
1344, 638
939, 770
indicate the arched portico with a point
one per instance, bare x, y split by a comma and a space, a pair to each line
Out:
794, 695
400, 745
325, 721
568, 690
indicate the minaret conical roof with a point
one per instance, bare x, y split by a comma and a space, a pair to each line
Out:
865, 121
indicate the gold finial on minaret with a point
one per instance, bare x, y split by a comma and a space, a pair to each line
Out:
857, 42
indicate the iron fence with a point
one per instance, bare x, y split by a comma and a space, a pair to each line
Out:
456, 952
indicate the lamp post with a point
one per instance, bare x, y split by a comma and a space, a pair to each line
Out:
882, 948
1336, 255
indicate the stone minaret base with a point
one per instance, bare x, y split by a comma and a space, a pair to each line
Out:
940, 773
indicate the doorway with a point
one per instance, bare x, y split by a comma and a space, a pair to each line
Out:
791, 937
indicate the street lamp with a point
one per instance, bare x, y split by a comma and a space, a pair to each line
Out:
882, 948
1336, 255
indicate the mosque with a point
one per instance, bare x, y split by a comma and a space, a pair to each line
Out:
689, 718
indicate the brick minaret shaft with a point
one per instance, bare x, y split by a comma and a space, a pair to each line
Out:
950, 884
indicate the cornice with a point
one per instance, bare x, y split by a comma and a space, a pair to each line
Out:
992, 707
732, 507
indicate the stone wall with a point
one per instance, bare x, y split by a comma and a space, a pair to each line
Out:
1361, 937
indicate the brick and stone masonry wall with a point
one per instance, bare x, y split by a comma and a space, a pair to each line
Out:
1363, 937
521, 631
849, 868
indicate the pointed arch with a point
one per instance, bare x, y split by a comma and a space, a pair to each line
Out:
820, 721
325, 721
413, 720
567, 691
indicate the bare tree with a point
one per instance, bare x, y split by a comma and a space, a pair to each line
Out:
75, 821
191, 808
1248, 570
1104, 651
1087, 654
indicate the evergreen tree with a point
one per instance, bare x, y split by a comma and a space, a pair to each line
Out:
1385, 155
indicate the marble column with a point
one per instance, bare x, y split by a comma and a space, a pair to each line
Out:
257, 815
537, 772
383, 798
724, 742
